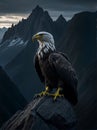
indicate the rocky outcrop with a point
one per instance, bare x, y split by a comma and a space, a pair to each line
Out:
43, 114
44, 111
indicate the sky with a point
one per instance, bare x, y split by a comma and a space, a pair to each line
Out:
12, 11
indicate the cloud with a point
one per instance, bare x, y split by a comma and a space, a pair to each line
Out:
25, 6
8, 20
15, 10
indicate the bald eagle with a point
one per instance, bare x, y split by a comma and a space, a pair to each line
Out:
54, 69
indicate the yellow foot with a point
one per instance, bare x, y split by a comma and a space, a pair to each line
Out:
57, 94
44, 93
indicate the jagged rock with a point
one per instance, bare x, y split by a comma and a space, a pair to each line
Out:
43, 114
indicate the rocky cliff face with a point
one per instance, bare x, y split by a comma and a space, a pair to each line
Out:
10, 97
44, 114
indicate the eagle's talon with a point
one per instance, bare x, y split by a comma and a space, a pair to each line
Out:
44, 93
57, 94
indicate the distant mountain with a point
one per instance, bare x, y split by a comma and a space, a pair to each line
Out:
17, 37
2, 32
38, 20
11, 99
76, 37
10, 48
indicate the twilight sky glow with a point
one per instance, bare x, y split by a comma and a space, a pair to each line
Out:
12, 11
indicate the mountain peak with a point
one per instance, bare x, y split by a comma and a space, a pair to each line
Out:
35, 12
61, 18
37, 8
46, 15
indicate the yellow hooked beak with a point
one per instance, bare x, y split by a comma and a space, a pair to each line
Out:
37, 37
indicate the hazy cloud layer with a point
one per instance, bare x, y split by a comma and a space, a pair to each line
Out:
8, 20
55, 7
24, 6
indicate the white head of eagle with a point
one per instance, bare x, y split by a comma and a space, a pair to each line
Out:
46, 43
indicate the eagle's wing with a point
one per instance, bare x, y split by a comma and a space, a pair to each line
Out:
65, 55
63, 68
37, 67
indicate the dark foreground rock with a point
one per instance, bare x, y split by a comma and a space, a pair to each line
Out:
43, 114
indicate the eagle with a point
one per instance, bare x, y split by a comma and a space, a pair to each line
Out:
54, 69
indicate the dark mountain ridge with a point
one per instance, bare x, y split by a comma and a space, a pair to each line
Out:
37, 21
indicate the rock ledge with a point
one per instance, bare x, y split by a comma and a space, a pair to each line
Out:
43, 114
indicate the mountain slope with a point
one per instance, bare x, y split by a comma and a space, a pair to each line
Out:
2, 32
11, 48
10, 97
79, 40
